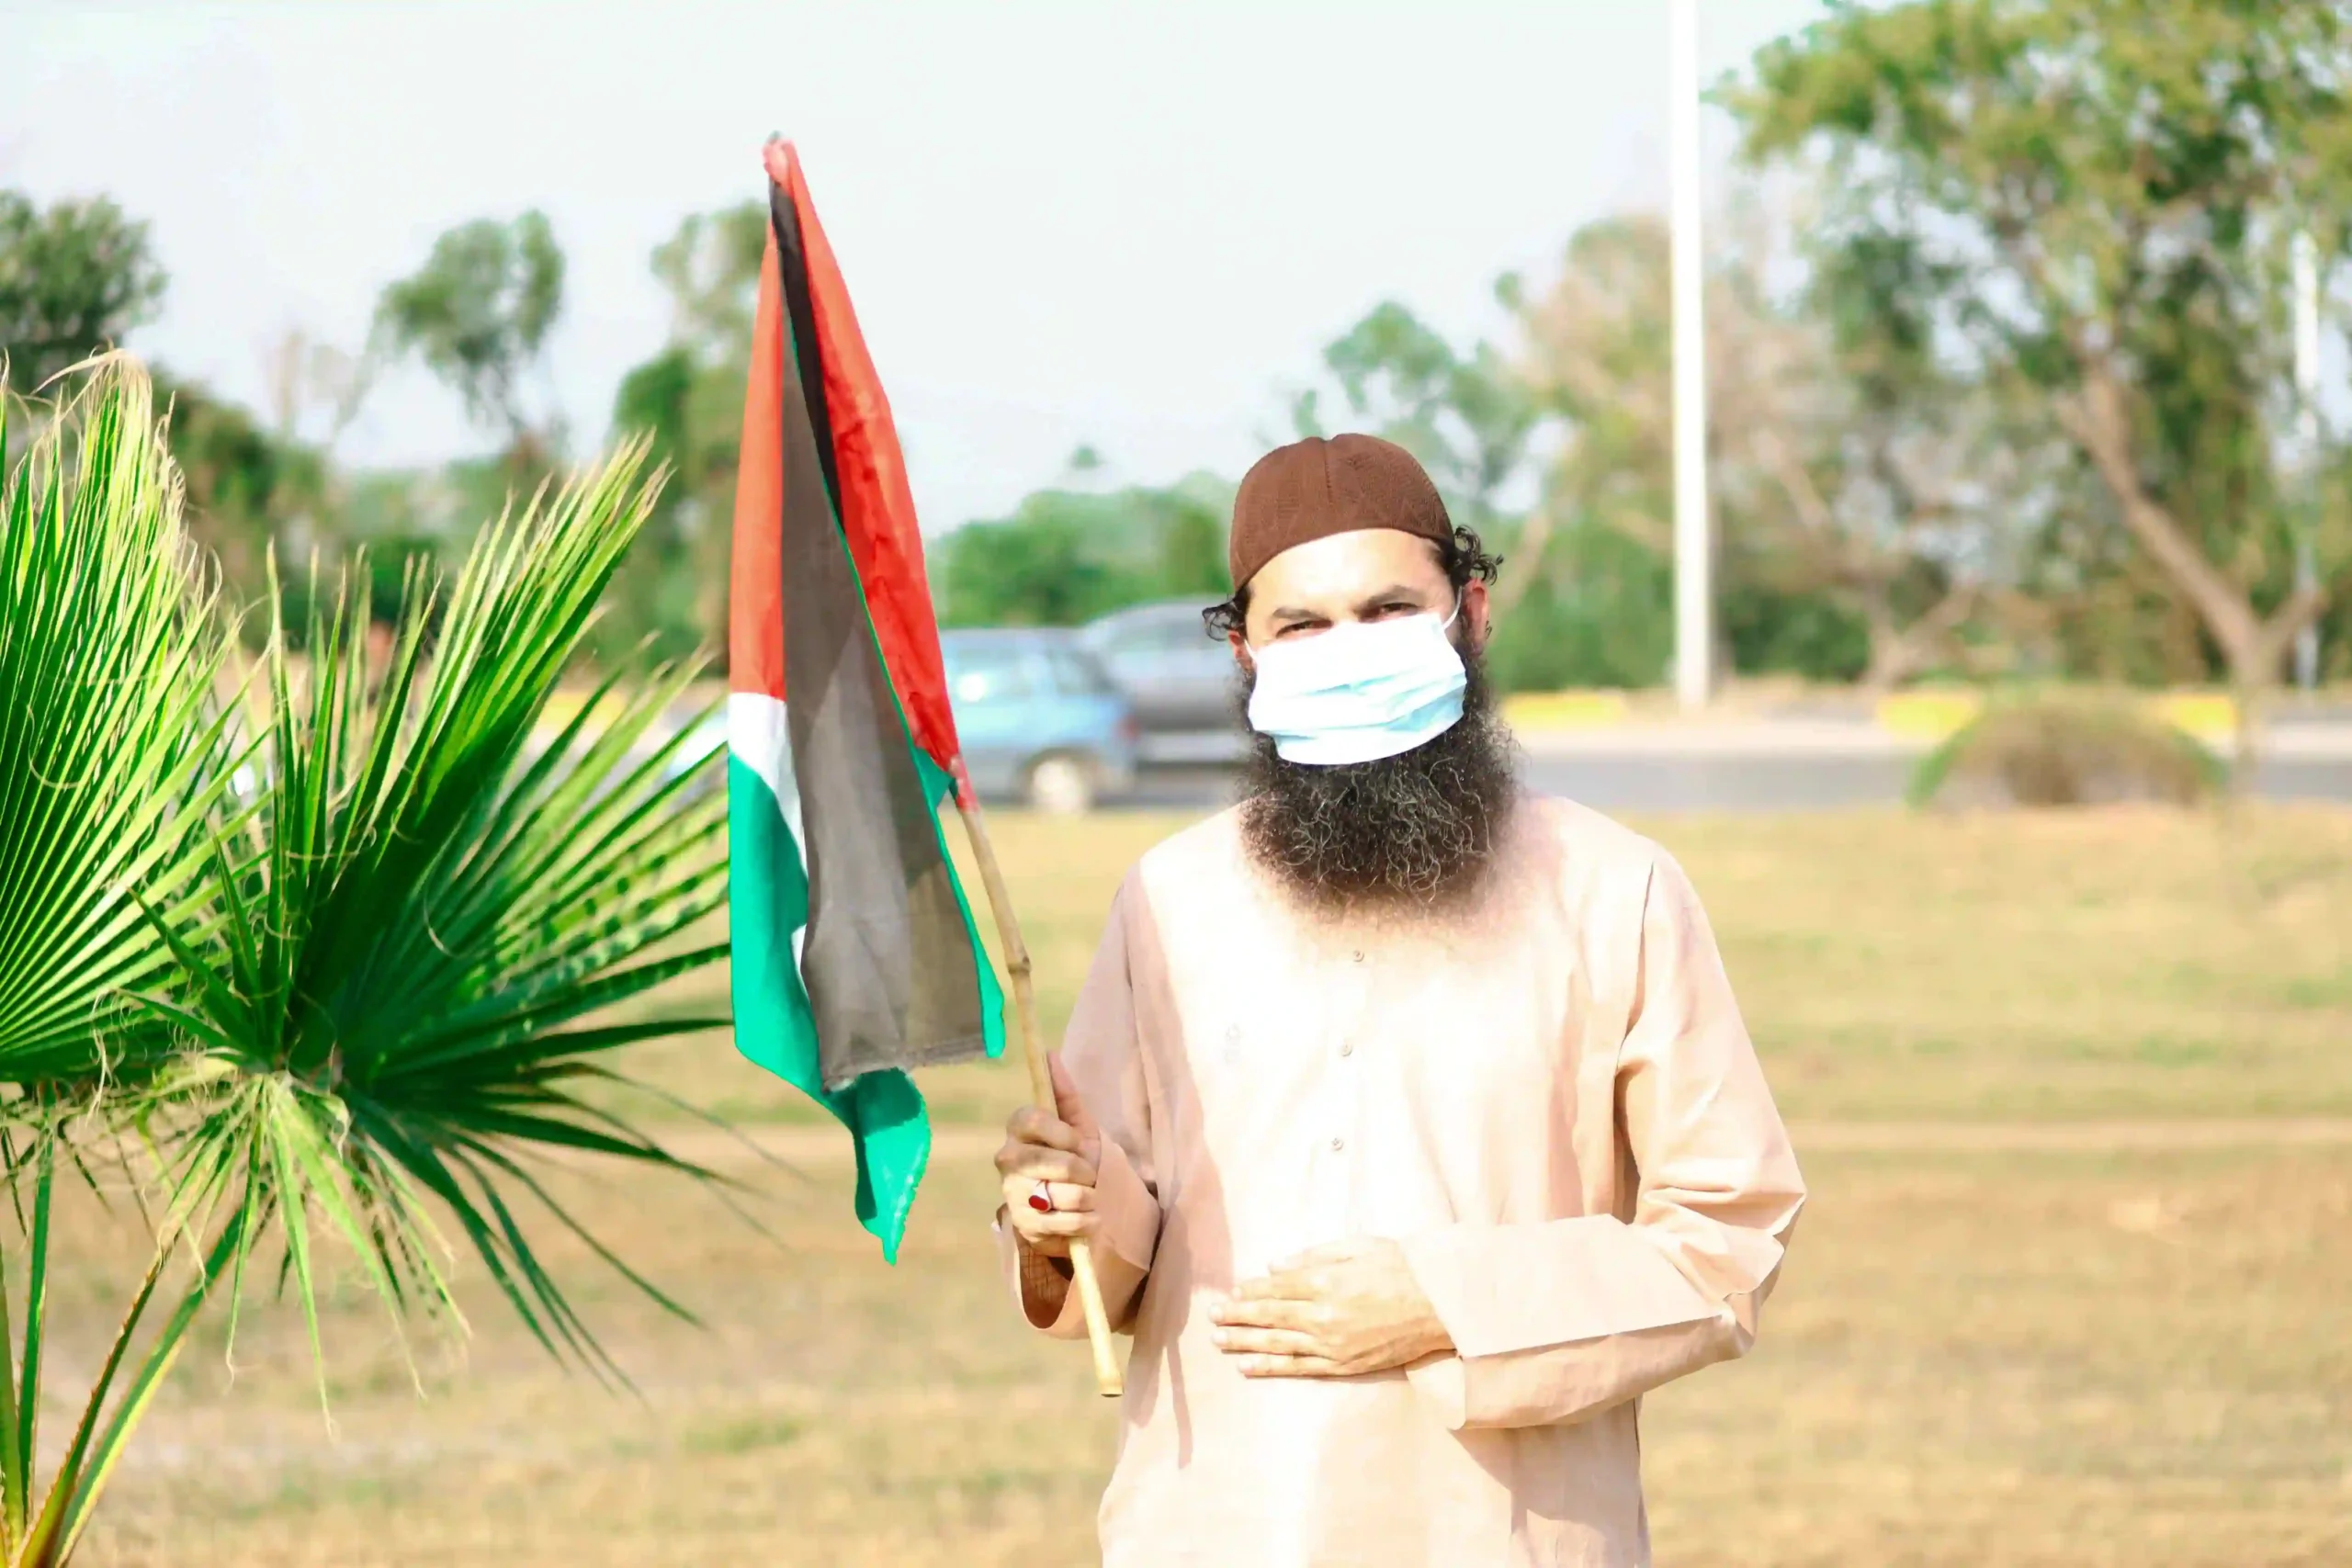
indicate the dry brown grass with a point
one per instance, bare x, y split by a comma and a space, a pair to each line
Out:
2126, 962
2040, 1355
2059, 1357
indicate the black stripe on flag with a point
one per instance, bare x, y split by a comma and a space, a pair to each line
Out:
888, 957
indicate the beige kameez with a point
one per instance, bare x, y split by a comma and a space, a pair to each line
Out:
1551, 1102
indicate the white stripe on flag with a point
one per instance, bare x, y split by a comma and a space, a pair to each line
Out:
757, 738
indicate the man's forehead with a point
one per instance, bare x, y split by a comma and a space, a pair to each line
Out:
1353, 562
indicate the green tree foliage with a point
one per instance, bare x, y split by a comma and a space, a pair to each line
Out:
419, 835
2334, 500
249, 491
1600, 614
477, 314
687, 400
254, 495
711, 268
1463, 414
1066, 556
74, 278
1577, 605
1819, 572
2100, 196
1587, 589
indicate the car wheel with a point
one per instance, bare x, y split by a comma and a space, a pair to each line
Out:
1061, 787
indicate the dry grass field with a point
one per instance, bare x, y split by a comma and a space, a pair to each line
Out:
2126, 963
2071, 1092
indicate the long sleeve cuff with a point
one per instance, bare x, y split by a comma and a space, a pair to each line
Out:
1504, 1288
1552, 1322
1569, 1382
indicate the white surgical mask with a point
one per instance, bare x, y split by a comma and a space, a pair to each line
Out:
1362, 691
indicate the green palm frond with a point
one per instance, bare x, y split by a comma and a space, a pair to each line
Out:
114, 761
416, 938
110, 733
334, 978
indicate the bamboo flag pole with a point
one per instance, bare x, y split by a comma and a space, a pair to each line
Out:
1041, 1083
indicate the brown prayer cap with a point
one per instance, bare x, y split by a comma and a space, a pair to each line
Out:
1312, 488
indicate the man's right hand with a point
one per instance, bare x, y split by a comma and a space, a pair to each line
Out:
1063, 1149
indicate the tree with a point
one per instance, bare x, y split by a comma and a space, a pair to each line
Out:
1463, 414
247, 487
1891, 486
1595, 355
1476, 423
315, 390
74, 280
688, 401
2103, 194
478, 313
1834, 564
711, 268
1067, 556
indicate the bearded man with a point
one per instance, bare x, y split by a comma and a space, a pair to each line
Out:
1409, 1116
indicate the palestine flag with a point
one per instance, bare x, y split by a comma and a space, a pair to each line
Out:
854, 954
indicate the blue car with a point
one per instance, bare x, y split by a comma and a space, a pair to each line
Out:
1039, 719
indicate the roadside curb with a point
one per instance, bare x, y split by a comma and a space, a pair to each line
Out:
1904, 724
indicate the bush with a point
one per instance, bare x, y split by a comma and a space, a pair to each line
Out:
2065, 752
1771, 630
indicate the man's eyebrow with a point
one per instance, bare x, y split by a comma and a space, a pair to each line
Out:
1292, 613
1388, 595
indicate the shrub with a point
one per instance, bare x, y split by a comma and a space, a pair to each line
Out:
2049, 750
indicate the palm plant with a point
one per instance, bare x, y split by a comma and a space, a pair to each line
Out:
109, 753
421, 915
109, 735
392, 930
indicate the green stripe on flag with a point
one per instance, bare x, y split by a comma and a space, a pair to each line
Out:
775, 1027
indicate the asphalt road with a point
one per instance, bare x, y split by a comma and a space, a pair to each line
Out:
1637, 782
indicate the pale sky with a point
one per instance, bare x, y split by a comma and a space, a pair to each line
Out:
1128, 225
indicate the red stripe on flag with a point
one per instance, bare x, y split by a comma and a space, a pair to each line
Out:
755, 573
877, 507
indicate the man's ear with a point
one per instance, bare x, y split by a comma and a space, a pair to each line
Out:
1241, 651
1475, 613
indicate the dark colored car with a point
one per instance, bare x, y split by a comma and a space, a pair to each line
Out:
1038, 718
1180, 678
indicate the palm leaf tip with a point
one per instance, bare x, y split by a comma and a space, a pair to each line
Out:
440, 905
109, 652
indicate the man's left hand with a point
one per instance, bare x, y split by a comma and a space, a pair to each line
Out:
1339, 1311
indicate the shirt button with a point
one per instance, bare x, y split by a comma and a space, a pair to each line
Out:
1338, 1144
1357, 956
1347, 1048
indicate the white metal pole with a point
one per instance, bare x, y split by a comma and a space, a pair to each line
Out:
2307, 409
1693, 554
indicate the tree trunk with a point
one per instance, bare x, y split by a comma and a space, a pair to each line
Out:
2254, 647
1897, 653
1529, 549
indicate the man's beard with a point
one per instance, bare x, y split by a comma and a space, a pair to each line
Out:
1413, 831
